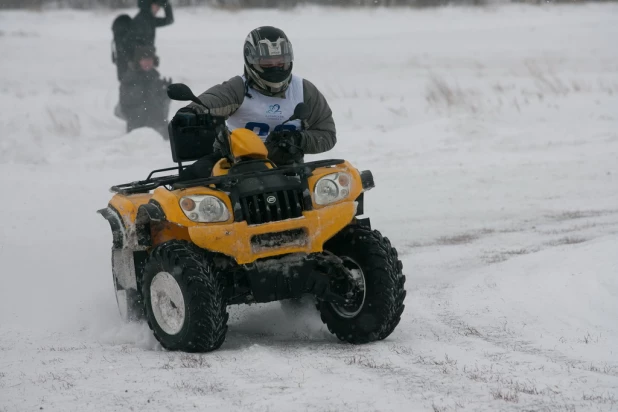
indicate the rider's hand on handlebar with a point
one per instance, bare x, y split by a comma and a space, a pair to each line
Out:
284, 146
284, 138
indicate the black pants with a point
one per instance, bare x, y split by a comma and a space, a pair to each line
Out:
202, 168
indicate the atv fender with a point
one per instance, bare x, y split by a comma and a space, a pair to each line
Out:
123, 266
119, 232
151, 211
124, 261
127, 265
147, 214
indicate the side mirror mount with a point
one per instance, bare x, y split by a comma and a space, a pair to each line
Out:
302, 111
182, 92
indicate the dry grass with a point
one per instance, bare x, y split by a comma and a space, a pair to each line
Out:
495, 357
569, 240
462, 239
588, 339
200, 389
442, 95
401, 350
605, 369
188, 360
608, 398
508, 388
446, 366
463, 328
63, 348
578, 214
367, 362
546, 80
56, 380
505, 394
502, 256
544, 85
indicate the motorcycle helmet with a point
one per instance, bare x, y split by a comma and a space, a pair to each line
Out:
269, 59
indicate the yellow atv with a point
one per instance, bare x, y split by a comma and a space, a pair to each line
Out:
252, 232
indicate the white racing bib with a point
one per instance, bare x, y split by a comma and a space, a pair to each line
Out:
264, 114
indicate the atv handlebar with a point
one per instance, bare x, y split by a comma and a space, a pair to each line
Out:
151, 183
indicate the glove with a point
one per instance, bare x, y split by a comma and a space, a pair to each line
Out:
284, 147
287, 137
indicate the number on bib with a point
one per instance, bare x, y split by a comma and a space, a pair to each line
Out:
262, 129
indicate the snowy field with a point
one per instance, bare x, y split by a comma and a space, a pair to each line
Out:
493, 137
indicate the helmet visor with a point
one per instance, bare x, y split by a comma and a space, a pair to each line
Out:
272, 62
269, 54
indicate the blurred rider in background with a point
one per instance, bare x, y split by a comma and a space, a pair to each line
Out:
145, 23
143, 97
131, 33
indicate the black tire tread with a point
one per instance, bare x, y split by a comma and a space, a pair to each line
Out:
205, 302
386, 278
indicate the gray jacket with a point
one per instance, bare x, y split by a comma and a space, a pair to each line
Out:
318, 135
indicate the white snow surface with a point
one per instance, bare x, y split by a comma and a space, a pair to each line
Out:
492, 134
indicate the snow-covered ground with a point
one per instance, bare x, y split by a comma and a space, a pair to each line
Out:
493, 137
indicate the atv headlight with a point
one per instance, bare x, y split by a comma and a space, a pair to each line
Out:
204, 208
331, 188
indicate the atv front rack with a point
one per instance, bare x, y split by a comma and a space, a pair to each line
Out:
303, 170
151, 183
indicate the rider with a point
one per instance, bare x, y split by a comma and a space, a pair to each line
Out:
145, 23
264, 98
142, 93
131, 34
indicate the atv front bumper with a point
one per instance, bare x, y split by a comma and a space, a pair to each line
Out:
248, 243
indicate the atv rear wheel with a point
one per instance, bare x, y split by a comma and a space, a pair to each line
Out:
375, 282
184, 298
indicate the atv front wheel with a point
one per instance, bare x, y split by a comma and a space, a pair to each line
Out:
375, 284
184, 298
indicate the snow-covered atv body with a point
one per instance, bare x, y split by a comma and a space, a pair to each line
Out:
252, 232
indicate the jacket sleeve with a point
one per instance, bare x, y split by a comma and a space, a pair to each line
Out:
169, 16
223, 99
319, 133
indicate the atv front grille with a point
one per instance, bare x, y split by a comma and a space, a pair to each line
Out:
272, 207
